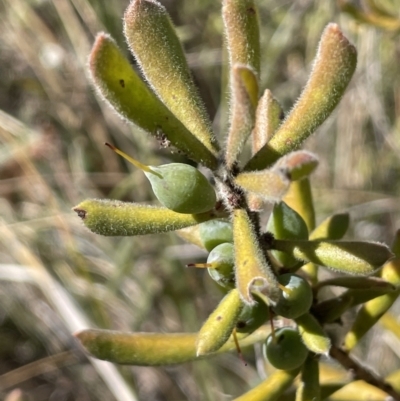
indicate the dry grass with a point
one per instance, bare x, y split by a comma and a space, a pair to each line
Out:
56, 277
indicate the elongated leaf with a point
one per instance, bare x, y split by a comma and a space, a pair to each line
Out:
152, 349
272, 387
333, 68
334, 227
309, 388
220, 324
312, 334
286, 223
155, 45
126, 92
269, 185
115, 218
242, 113
350, 257
373, 310
332, 309
252, 271
269, 115
297, 165
242, 32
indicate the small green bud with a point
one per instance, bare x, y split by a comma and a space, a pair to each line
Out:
220, 324
285, 350
114, 218
222, 260
296, 300
312, 334
215, 232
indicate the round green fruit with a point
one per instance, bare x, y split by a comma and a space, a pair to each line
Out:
181, 188
252, 317
286, 351
222, 260
296, 300
215, 232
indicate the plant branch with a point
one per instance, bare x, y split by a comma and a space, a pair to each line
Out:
361, 372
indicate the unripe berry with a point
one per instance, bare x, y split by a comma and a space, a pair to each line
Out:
222, 260
286, 351
182, 188
252, 317
215, 232
179, 187
296, 300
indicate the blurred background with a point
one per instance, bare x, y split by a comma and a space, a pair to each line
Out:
56, 277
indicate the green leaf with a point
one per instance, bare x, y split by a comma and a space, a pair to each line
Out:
269, 185
152, 349
242, 32
126, 92
244, 96
352, 257
309, 388
269, 115
286, 223
252, 270
297, 165
332, 309
220, 324
373, 310
272, 387
115, 218
313, 335
333, 68
156, 47
299, 198
334, 227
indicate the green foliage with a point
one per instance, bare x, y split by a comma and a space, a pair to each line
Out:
58, 278
239, 251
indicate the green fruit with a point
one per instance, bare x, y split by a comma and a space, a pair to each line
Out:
215, 232
286, 351
252, 317
297, 300
223, 261
286, 223
181, 188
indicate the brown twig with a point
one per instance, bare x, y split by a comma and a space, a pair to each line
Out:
361, 372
